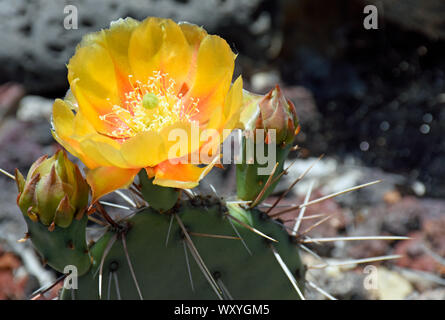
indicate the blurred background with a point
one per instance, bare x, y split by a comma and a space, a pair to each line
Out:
371, 100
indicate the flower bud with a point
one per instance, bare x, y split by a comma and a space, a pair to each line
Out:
269, 123
54, 191
278, 113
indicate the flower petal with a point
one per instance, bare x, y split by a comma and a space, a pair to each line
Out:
233, 105
180, 139
104, 180
183, 176
63, 132
102, 150
117, 39
159, 45
193, 33
93, 68
234, 99
215, 64
99, 70
93, 106
146, 149
62, 119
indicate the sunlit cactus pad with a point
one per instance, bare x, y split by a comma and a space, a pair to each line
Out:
166, 266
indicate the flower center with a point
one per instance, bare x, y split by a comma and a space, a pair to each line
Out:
150, 101
149, 106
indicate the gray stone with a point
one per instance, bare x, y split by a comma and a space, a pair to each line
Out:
32, 108
36, 46
341, 283
424, 16
332, 175
10, 95
436, 294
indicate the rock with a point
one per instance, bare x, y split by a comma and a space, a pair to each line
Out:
26, 272
12, 288
33, 108
23, 142
425, 250
13, 284
421, 280
418, 188
436, 294
401, 218
12, 222
392, 197
318, 175
424, 16
414, 255
375, 248
391, 285
424, 221
36, 45
10, 95
341, 283
262, 82
333, 175
9, 261
434, 229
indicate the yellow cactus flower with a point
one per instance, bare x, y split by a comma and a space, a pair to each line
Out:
135, 83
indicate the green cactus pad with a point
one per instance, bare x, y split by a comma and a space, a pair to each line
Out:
62, 246
158, 197
162, 271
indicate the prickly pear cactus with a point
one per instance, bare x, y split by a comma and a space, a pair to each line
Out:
203, 247
133, 85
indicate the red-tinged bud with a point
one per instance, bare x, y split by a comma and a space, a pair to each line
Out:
53, 192
271, 111
20, 180
64, 213
278, 113
49, 193
27, 199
